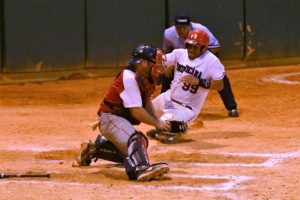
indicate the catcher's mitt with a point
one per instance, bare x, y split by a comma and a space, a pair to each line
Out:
178, 128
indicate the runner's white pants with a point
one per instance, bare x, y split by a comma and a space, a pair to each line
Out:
166, 109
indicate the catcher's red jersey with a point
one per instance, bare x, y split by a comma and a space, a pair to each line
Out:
129, 89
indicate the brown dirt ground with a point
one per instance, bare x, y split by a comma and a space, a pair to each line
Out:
43, 123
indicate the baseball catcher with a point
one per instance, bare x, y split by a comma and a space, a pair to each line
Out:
127, 103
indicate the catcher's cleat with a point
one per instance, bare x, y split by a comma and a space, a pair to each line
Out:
153, 172
84, 157
233, 113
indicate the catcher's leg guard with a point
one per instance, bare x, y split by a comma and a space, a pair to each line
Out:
137, 163
138, 156
107, 150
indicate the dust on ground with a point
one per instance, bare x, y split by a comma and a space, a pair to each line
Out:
254, 156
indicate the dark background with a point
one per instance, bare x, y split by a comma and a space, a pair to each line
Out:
53, 35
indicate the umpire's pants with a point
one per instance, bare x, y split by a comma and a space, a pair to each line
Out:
226, 93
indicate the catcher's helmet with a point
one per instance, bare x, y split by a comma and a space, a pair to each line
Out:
198, 37
143, 52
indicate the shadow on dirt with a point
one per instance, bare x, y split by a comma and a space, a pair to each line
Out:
220, 135
211, 117
178, 141
198, 140
57, 155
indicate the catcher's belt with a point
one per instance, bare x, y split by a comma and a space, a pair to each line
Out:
182, 104
122, 112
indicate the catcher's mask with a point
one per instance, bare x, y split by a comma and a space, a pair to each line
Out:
153, 55
158, 69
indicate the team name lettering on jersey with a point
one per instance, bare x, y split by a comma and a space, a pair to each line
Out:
188, 69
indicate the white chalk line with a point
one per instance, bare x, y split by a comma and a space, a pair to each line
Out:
232, 183
281, 78
223, 187
274, 159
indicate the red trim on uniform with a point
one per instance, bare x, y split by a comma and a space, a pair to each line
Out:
113, 94
116, 126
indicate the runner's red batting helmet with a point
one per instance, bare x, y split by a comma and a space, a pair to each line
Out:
198, 37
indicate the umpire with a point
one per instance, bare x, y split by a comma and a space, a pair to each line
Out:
174, 38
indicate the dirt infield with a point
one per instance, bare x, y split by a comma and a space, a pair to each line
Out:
255, 156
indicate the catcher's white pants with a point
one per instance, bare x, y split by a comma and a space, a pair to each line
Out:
117, 130
166, 109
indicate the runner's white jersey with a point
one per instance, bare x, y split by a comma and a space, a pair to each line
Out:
207, 66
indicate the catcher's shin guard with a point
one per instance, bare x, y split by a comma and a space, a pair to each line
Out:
107, 150
138, 156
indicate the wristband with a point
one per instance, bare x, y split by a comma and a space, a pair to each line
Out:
205, 83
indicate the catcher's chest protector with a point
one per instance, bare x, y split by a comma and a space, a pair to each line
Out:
146, 88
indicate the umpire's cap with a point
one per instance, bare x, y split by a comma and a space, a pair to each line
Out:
182, 19
143, 52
